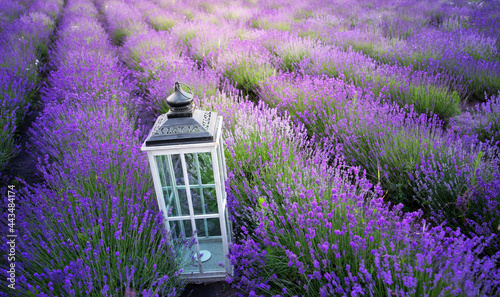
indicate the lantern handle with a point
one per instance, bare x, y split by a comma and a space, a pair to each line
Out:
179, 87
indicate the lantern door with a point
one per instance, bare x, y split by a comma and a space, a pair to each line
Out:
190, 190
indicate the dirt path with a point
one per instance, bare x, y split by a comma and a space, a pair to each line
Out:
23, 166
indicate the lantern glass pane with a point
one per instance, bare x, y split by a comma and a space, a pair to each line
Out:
206, 228
177, 169
165, 177
181, 228
191, 168
172, 183
201, 182
200, 168
209, 238
208, 235
181, 208
204, 200
210, 197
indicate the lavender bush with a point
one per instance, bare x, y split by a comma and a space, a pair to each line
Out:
123, 19
246, 63
154, 48
158, 18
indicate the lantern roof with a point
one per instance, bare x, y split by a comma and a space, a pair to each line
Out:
200, 127
182, 124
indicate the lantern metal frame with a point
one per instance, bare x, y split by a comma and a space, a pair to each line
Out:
216, 150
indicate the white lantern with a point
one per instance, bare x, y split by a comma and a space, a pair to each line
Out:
186, 156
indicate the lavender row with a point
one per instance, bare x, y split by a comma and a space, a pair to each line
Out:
158, 17
428, 92
23, 45
94, 229
210, 41
248, 56
123, 19
458, 38
431, 94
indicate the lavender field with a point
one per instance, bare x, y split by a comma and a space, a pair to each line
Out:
362, 141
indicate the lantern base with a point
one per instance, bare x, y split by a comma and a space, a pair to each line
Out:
206, 255
212, 271
207, 246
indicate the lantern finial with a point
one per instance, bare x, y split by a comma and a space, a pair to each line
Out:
180, 102
183, 123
